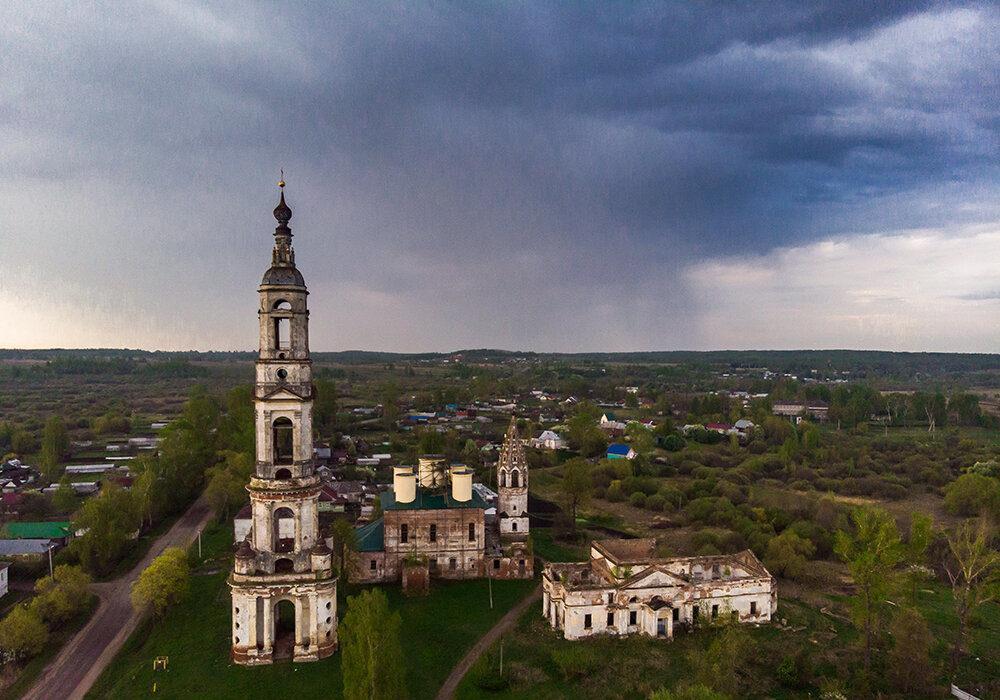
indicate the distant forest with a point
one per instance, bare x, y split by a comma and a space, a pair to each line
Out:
855, 364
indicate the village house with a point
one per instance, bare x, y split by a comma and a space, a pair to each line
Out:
625, 588
549, 440
816, 410
619, 450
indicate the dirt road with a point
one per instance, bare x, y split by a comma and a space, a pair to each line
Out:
503, 625
71, 674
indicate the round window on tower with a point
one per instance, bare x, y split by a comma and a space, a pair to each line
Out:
282, 373
281, 356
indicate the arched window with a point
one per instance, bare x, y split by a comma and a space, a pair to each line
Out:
503, 478
282, 541
284, 566
513, 526
515, 479
281, 439
283, 474
282, 305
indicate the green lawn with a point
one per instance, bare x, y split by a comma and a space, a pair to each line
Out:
641, 665
437, 631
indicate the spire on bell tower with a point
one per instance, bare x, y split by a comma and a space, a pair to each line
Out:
283, 254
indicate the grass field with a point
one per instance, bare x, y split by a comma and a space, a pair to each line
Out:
436, 632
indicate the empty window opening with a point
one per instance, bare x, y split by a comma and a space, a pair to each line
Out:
715, 612
715, 571
282, 438
434, 533
496, 563
503, 478
282, 305
611, 619
404, 533
694, 613
283, 474
434, 563
586, 622
284, 566
513, 526
734, 615
632, 617
520, 567
515, 479
453, 563
372, 565
282, 541
677, 614
472, 532
282, 333
753, 608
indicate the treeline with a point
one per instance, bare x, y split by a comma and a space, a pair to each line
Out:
209, 431
105, 366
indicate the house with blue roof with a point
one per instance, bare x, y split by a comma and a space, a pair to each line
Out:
619, 450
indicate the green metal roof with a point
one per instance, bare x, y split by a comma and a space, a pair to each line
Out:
37, 531
431, 501
371, 536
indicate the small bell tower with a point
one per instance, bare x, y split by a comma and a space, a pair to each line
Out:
512, 486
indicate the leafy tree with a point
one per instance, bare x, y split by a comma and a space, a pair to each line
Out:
872, 553
640, 438
237, 431
583, 435
110, 518
389, 396
973, 569
372, 656
164, 583
22, 633
226, 489
61, 596
23, 442
788, 554
345, 541
727, 665
973, 494
909, 660
575, 487
55, 446
325, 408
64, 499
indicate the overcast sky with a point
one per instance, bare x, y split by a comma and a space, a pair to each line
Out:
570, 177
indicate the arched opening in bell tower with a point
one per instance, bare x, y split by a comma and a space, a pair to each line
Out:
282, 440
284, 629
282, 333
284, 541
515, 479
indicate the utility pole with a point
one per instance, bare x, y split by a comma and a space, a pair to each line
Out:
199, 544
50, 560
490, 580
501, 657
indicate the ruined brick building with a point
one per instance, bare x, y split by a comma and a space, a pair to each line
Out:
434, 524
284, 592
626, 589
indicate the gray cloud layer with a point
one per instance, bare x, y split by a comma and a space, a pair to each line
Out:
535, 176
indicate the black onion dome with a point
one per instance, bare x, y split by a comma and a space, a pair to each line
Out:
282, 212
284, 276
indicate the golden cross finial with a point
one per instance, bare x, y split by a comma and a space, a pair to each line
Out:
281, 182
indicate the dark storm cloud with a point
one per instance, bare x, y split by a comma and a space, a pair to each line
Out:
544, 172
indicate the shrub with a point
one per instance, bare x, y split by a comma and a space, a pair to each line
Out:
637, 499
615, 492
22, 634
971, 494
575, 660
655, 502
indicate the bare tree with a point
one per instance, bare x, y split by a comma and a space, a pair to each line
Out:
973, 570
